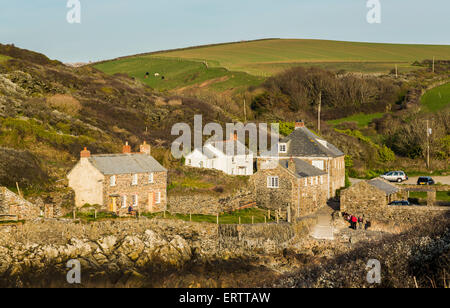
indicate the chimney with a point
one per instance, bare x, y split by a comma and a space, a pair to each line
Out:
299, 124
291, 165
126, 148
85, 153
145, 148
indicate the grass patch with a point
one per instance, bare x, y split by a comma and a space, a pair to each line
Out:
440, 195
362, 119
226, 218
4, 58
437, 98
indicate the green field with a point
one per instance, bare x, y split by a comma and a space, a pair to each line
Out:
362, 119
178, 73
265, 57
234, 65
437, 98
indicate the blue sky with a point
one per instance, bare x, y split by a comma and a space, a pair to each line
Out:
111, 28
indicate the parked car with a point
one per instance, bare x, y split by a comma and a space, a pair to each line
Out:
395, 176
399, 203
425, 180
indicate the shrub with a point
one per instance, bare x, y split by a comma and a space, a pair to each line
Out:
65, 103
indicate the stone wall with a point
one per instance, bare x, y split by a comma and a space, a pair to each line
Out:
12, 204
363, 199
114, 249
207, 204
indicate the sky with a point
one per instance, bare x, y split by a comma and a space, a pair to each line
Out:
112, 28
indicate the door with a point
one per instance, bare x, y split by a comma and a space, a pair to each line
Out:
113, 204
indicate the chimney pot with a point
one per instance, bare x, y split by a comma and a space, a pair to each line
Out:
299, 124
85, 153
145, 148
126, 148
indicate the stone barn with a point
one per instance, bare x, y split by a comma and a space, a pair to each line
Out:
369, 196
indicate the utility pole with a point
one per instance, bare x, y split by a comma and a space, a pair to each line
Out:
428, 145
318, 111
245, 111
433, 64
396, 71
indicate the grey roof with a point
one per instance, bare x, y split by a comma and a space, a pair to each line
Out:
303, 143
225, 146
389, 189
302, 168
125, 163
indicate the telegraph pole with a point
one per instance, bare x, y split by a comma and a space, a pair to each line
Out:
433, 64
428, 144
245, 111
318, 111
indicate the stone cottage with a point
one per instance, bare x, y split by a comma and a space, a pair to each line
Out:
371, 196
307, 146
291, 183
118, 181
13, 206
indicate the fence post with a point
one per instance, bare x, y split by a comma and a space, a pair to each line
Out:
253, 220
217, 218
95, 214
289, 218
190, 217
74, 214
239, 219
265, 219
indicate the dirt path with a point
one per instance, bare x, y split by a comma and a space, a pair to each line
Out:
324, 229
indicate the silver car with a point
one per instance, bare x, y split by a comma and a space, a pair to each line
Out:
395, 176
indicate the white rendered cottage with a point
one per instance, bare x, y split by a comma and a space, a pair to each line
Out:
230, 156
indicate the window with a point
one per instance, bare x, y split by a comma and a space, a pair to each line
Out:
112, 181
135, 200
312, 181
124, 201
321, 179
150, 178
318, 164
272, 182
306, 182
135, 179
282, 148
317, 180
189, 162
158, 197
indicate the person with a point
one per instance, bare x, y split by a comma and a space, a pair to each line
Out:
368, 224
354, 221
360, 223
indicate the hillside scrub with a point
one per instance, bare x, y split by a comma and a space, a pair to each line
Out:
300, 89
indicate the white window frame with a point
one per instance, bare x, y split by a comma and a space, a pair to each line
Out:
321, 179
273, 182
158, 197
134, 180
135, 200
151, 179
282, 148
124, 201
112, 181
306, 182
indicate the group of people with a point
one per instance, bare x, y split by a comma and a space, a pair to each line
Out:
356, 222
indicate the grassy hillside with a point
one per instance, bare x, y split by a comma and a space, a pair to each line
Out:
267, 57
437, 99
3, 58
176, 73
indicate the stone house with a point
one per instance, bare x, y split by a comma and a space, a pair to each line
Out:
290, 183
307, 146
230, 156
371, 196
118, 181
13, 206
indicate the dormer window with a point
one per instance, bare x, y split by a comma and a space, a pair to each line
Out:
282, 148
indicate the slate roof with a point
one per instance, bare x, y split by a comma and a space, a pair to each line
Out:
110, 164
302, 168
389, 189
303, 143
238, 147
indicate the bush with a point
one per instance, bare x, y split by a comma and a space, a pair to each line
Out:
65, 104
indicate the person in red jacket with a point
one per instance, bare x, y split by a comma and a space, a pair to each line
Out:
354, 221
